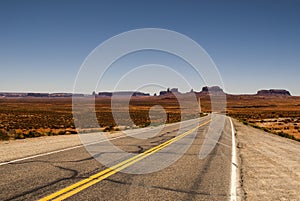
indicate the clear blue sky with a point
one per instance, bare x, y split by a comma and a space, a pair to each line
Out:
255, 44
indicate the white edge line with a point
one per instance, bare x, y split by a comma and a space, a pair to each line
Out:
66, 149
233, 165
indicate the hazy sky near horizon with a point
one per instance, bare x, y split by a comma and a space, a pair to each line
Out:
254, 44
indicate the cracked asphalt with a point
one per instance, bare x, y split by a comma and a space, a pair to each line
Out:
189, 178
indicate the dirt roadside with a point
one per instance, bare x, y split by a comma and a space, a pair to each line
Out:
15, 149
269, 165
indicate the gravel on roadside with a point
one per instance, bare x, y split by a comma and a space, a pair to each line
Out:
269, 166
15, 149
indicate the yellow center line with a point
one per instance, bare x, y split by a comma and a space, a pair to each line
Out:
85, 183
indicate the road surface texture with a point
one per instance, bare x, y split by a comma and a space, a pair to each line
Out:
270, 165
189, 178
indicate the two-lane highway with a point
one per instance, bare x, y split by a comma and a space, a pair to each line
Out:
76, 175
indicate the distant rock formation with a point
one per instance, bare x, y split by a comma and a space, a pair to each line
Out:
123, 93
161, 93
105, 94
213, 89
7, 94
174, 90
39, 95
64, 95
169, 92
274, 92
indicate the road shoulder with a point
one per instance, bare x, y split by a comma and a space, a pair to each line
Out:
16, 149
269, 165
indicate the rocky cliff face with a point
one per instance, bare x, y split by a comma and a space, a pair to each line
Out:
274, 92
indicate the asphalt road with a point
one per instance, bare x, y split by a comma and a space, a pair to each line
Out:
188, 178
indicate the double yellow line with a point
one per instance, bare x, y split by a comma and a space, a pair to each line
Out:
83, 184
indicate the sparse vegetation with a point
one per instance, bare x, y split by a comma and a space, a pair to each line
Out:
33, 117
273, 131
276, 114
3, 135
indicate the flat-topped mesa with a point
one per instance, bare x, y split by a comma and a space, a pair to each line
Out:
213, 89
123, 93
274, 92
